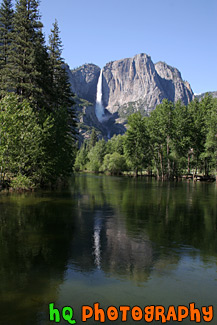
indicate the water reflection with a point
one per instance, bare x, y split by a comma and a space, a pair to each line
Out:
96, 236
106, 237
34, 250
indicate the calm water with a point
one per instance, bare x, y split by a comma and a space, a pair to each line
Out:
115, 241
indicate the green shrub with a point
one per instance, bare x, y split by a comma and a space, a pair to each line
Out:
22, 182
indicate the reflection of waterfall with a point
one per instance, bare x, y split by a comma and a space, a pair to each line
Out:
96, 236
99, 109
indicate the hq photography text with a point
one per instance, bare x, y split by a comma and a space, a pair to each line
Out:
128, 314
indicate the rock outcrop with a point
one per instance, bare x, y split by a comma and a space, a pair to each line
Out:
128, 85
174, 87
84, 81
138, 80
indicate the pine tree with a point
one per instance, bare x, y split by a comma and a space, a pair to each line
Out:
27, 39
93, 138
62, 95
6, 29
44, 78
63, 148
39, 79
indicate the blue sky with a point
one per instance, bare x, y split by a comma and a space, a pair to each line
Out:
183, 33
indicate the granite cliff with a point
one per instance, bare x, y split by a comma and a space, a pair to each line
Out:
129, 85
84, 81
142, 83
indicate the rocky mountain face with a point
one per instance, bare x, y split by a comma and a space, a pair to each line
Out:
84, 81
139, 81
174, 87
129, 85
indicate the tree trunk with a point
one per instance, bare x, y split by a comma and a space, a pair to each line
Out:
168, 160
206, 167
161, 165
189, 163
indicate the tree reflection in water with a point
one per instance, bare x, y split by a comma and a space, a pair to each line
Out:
102, 228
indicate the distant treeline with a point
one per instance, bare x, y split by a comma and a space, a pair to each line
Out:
174, 140
37, 123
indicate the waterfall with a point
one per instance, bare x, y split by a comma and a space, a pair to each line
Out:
99, 108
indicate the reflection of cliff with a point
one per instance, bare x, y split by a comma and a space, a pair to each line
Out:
108, 246
126, 256
118, 246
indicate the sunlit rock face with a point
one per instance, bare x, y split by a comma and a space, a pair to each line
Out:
121, 88
134, 80
138, 80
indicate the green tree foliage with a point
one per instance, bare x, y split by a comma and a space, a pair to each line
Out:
62, 95
197, 131
61, 145
161, 132
210, 154
81, 158
96, 156
136, 144
181, 140
27, 36
200, 113
174, 140
93, 139
61, 91
6, 29
23, 148
116, 144
114, 163
44, 99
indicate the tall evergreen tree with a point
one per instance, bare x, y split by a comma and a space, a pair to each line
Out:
63, 148
6, 29
93, 139
27, 37
41, 83
62, 95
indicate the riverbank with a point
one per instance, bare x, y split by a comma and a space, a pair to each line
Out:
193, 177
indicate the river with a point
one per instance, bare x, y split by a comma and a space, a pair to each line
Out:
112, 240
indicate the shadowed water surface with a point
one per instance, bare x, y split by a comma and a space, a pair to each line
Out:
116, 241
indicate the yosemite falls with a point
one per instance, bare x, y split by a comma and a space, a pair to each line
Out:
99, 109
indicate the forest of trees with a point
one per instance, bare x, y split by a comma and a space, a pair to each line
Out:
174, 140
38, 143
37, 122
